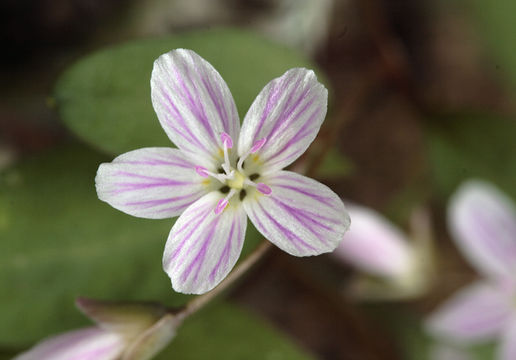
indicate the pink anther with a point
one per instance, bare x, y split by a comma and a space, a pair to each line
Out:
264, 189
226, 140
202, 171
221, 205
258, 145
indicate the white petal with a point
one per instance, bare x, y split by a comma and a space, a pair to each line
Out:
301, 216
152, 183
193, 104
374, 245
448, 352
288, 112
482, 221
84, 344
477, 313
203, 246
507, 350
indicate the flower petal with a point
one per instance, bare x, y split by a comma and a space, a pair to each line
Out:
152, 183
482, 221
301, 216
374, 245
477, 313
507, 350
193, 104
204, 246
84, 344
288, 113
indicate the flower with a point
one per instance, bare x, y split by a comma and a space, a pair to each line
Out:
221, 173
398, 267
123, 332
482, 221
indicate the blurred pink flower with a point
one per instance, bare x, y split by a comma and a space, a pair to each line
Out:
123, 332
482, 221
400, 267
374, 245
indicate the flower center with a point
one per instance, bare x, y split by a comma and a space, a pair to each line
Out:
234, 180
237, 182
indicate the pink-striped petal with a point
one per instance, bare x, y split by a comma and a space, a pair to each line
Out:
482, 221
478, 312
152, 183
301, 216
193, 104
203, 246
288, 113
507, 347
374, 245
84, 344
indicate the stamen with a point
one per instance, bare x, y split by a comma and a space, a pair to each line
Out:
221, 205
256, 146
227, 143
226, 140
264, 189
261, 187
202, 171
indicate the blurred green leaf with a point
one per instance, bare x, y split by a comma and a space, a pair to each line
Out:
497, 26
335, 165
225, 332
58, 241
105, 97
463, 146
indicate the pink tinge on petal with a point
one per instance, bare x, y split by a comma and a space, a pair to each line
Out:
221, 205
201, 170
374, 245
203, 246
476, 313
507, 347
482, 221
258, 145
226, 140
264, 189
84, 344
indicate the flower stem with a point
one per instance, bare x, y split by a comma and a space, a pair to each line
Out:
200, 301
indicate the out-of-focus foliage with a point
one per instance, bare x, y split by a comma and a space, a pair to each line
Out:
496, 25
472, 146
59, 242
105, 97
224, 332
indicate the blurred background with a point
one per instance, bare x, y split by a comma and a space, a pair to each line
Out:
421, 99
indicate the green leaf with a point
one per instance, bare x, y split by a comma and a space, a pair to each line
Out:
335, 165
496, 26
463, 146
105, 97
225, 332
59, 242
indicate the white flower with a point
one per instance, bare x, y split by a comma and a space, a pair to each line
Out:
482, 221
221, 173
